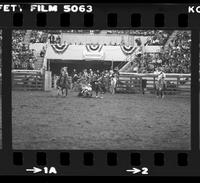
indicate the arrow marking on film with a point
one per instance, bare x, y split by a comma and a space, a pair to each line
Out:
134, 170
34, 170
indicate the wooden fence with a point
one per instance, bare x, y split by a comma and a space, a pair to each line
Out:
128, 82
27, 80
137, 83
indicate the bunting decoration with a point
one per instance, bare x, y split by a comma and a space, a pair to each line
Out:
94, 47
93, 52
127, 50
60, 49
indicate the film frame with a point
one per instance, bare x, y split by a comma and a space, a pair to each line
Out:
108, 162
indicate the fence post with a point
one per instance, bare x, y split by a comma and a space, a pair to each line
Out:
130, 83
36, 82
47, 81
141, 85
25, 83
43, 81
178, 81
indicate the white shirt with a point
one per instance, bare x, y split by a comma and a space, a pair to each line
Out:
156, 72
160, 75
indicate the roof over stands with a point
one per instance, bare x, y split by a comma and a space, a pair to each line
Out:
93, 52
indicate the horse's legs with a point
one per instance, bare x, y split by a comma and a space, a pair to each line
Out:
157, 92
62, 91
96, 91
111, 89
101, 92
66, 91
58, 92
74, 85
114, 90
97, 94
115, 86
162, 94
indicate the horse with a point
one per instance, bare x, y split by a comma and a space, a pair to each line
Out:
97, 85
160, 85
63, 84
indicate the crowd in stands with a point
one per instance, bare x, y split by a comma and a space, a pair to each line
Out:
127, 32
176, 58
45, 36
54, 38
159, 38
156, 37
22, 56
38, 37
82, 31
139, 32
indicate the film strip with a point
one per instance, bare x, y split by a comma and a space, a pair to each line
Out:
100, 89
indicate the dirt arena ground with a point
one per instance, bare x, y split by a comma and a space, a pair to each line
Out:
42, 120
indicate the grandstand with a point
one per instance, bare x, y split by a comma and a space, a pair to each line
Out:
29, 48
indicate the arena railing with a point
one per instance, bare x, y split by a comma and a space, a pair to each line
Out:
176, 83
27, 80
26, 71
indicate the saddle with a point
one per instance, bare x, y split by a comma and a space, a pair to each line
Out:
160, 84
63, 82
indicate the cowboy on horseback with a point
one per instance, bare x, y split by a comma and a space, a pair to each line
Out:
97, 83
160, 82
63, 83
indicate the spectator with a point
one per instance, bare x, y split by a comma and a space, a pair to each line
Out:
176, 59
22, 56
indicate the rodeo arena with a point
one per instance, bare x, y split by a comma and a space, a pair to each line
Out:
101, 89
